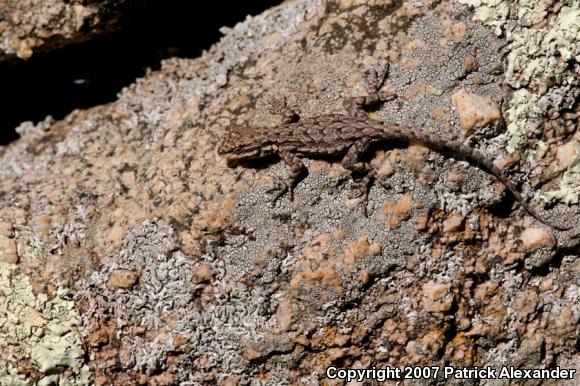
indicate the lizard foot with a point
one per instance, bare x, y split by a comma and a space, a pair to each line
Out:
374, 80
362, 189
280, 107
279, 189
376, 76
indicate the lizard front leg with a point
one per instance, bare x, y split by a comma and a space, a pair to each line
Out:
352, 161
296, 169
280, 107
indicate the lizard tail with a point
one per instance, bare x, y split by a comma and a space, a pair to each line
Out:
456, 147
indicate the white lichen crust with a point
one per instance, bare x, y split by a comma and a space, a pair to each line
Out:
543, 61
40, 330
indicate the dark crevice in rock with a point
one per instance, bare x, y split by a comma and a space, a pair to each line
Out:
92, 73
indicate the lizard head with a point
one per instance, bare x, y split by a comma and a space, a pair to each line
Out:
243, 143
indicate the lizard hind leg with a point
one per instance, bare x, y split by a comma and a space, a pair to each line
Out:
352, 161
376, 76
374, 79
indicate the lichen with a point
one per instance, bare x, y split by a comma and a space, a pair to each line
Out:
38, 329
570, 187
490, 12
542, 52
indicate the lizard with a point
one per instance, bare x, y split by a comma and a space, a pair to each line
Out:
348, 136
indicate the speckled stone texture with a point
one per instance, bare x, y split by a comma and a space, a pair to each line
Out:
29, 26
166, 267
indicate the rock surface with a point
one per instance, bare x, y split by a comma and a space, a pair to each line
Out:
144, 259
29, 26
